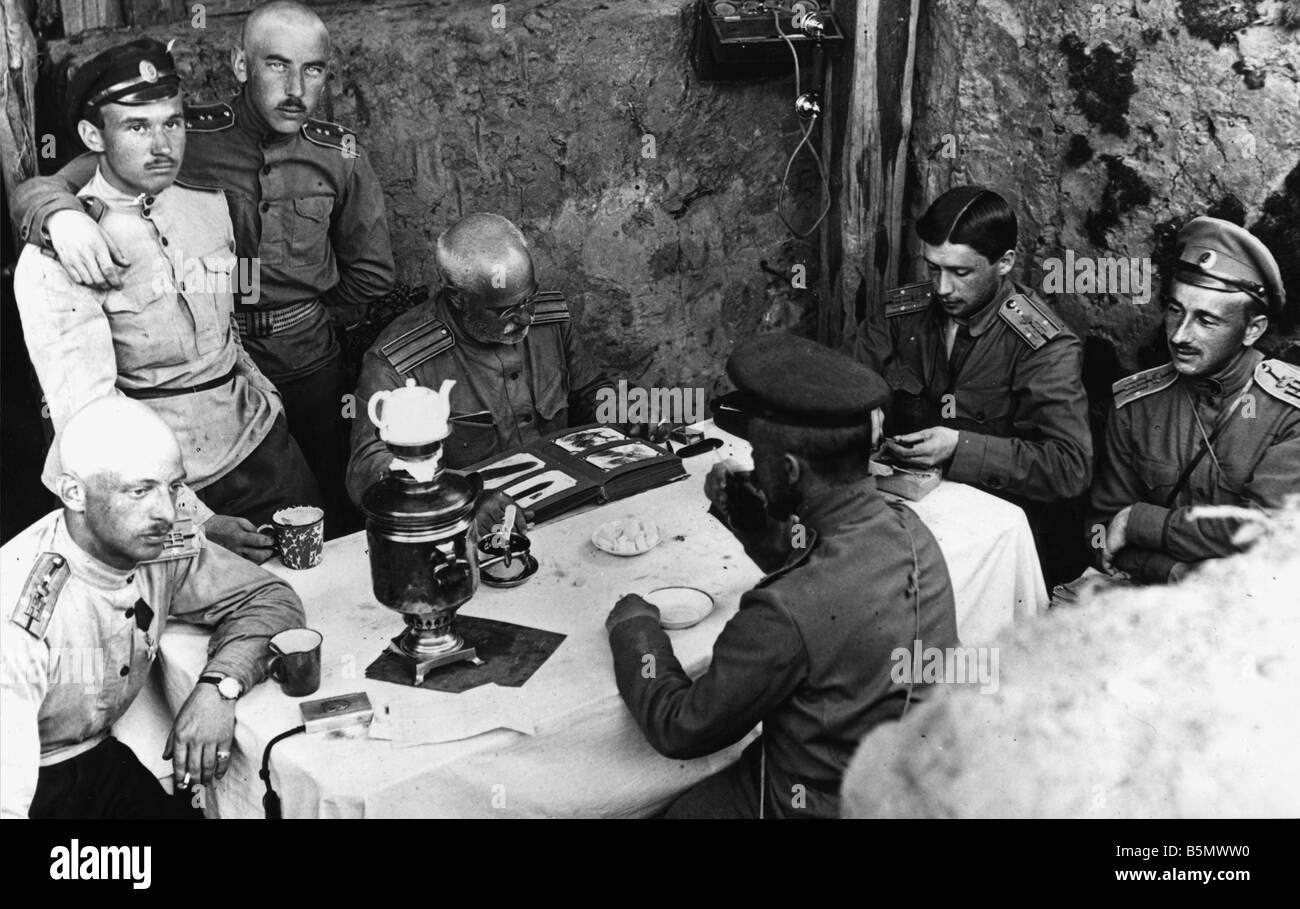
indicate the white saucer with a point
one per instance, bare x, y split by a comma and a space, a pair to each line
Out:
680, 607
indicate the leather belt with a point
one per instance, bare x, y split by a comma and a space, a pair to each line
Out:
262, 323
149, 393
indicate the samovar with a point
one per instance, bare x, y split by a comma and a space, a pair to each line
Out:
420, 527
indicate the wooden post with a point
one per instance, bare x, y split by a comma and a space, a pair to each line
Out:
18, 93
83, 15
875, 94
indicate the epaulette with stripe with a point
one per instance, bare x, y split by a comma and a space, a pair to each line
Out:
330, 135
908, 299
182, 542
1144, 383
208, 118
409, 349
550, 306
35, 607
1032, 320
1279, 379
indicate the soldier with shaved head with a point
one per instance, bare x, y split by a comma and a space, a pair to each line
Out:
309, 227
520, 367
88, 591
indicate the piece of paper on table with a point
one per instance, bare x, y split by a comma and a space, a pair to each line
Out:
441, 717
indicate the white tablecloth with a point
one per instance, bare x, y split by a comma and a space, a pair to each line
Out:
586, 756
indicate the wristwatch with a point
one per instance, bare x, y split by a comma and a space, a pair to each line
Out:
228, 687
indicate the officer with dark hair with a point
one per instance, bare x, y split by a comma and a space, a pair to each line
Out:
810, 653
1219, 425
985, 376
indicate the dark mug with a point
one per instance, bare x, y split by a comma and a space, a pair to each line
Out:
299, 535
295, 661
503, 563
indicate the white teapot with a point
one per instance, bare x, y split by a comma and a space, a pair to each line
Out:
413, 415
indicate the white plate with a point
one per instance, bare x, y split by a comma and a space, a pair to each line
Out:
610, 530
680, 607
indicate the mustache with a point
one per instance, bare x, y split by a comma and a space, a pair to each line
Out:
157, 530
292, 107
161, 159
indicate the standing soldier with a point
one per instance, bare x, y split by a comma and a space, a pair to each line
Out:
985, 377
166, 337
308, 216
1219, 425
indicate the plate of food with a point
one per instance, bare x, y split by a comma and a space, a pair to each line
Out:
680, 607
629, 536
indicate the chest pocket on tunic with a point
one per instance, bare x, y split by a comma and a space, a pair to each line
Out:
471, 441
988, 406
211, 303
1159, 477
551, 398
148, 327
308, 233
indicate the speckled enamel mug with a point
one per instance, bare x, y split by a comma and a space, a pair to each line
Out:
299, 534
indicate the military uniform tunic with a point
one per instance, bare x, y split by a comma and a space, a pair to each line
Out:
79, 637
1154, 435
307, 206
506, 395
808, 655
168, 328
1016, 396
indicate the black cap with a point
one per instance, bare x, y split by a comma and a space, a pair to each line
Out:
787, 379
139, 72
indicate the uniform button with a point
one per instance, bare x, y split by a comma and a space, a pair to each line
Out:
979, 415
526, 419
514, 376
266, 206
267, 169
146, 211
124, 671
130, 612
148, 200
164, 240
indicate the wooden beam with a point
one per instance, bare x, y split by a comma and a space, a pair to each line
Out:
82, 15
17, 96
872, 162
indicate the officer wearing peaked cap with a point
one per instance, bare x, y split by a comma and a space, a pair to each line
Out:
309, 223
1218, 425
809, 653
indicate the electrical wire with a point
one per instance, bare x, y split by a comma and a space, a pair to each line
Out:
807, 133
271, 801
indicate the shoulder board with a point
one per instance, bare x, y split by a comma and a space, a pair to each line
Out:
1280, 379
550, 306
330, 135
907, 299
208, 118
424, 341
1144, 383
1030, 319
796, 562
182, 543
44, 583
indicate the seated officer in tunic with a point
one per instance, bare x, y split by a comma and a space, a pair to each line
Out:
520, 367
87, 592
985, 376
1219, 425
809, 654
167, 335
